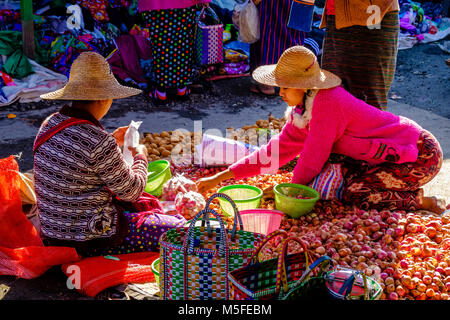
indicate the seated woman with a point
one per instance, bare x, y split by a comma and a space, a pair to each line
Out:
388, 157
82, 182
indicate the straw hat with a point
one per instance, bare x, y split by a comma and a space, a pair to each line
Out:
91, 79
296, 68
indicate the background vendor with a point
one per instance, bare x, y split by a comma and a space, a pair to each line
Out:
389, 157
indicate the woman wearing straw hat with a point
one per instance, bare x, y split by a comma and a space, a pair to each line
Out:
389, 157
81, 178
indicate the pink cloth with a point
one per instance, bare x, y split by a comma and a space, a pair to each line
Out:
147, 5
342, 124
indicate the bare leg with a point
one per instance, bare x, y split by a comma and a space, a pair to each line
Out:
434, 204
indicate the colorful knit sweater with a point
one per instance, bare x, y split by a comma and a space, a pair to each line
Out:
75, 172
334, 121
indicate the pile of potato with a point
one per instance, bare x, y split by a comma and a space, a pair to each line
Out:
180, 142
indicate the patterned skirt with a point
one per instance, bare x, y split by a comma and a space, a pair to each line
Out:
364, 58
172, 37
275, 34
390, 185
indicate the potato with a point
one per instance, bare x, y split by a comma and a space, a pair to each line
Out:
164, 134
165, 153
155, 152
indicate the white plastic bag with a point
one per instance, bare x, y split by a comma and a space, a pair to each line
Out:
176, 185
189, 204
131, 139
246, 20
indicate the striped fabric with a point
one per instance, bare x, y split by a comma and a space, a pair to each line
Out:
364, 58
75, 172
275, 34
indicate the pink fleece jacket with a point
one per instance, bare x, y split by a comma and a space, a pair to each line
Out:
339, 123
147, 5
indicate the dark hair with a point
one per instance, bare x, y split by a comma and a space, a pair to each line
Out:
305, 96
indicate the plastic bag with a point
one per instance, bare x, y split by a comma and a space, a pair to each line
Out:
189, 204
21, 249
131, 139
175, 185
246, 20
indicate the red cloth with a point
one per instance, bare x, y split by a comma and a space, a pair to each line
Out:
22, 252
329, 8
99, 273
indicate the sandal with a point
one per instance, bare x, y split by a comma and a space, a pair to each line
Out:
156, 98
185, 96
113, 293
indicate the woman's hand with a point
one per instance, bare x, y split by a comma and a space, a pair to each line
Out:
119, 135
140, 149
208, 183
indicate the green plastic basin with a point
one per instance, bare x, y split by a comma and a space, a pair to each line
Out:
244, 196
159, 173
155, 270
286, 202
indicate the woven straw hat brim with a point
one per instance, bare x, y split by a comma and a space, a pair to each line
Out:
100, 90
322, 80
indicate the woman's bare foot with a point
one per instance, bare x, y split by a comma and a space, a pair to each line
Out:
262, 88
434, 204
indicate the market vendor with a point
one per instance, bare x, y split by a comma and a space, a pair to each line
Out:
388, 157
81, 178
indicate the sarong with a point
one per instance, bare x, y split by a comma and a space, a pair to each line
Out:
391, 185
276, 37
363, 58
172, 37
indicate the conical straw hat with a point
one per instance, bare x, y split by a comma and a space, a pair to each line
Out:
296, 68
91, 79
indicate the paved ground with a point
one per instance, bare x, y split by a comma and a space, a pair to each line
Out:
422, 82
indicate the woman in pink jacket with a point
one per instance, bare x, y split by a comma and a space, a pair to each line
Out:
388, 157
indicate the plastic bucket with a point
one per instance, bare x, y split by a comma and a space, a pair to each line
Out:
159, 173
285, 200
244, 196
262, 221
155, 270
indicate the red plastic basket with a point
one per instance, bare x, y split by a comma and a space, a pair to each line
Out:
262, 221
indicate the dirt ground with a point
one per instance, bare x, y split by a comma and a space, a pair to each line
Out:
421, 80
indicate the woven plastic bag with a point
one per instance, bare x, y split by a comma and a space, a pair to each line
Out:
246, 20
270, 279
195, 261
209, 39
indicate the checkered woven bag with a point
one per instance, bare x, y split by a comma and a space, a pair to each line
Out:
195, 261
273, 278
209, 40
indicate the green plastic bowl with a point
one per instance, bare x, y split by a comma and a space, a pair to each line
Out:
244, 196
155, 270
286, 202
159, 173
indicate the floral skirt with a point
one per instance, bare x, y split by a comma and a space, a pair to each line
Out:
172, 37
390, 185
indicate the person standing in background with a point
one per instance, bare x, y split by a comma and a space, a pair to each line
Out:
360, 46
276, 37
172, 29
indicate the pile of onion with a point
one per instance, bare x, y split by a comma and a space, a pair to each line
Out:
407, 253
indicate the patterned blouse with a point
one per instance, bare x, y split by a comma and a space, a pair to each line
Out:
76, 173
